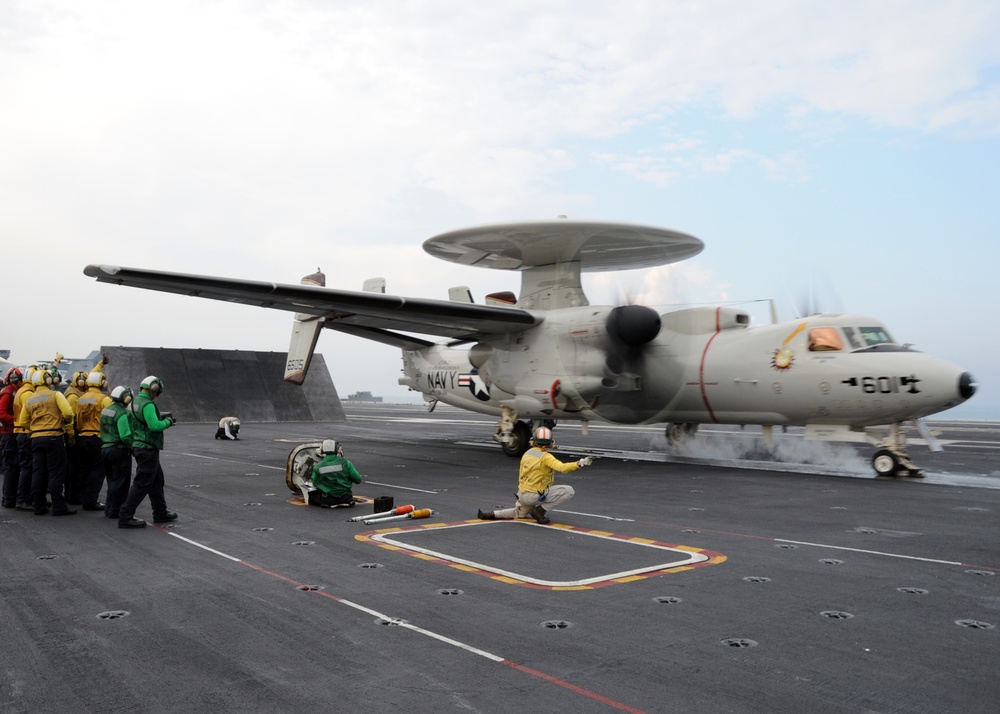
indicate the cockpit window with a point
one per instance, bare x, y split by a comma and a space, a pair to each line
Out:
852, 336
874, 336
825, 339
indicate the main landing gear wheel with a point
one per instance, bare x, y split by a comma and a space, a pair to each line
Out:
520, 437
886, 463
677, 434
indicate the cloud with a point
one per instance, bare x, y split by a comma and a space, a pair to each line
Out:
261, 138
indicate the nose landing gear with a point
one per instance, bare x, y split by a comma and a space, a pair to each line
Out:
891, 459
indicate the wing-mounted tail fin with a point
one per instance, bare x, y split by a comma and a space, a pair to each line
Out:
305, 333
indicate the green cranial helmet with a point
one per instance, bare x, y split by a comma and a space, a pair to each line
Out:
122, 395
153, 384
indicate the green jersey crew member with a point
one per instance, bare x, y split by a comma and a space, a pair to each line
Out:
147, 425
116, 449
333, 477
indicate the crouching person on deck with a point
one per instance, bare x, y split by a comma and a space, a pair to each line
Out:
333, 477
536, 492
229, 429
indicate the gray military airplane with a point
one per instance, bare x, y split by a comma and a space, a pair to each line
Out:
547, 354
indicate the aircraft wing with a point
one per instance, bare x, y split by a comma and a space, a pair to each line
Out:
362, 313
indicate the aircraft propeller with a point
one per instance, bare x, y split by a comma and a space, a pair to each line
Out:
817, 296
630, 328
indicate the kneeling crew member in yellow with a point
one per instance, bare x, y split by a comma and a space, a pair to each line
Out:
147, 425
46, 413
333, 476
536, 493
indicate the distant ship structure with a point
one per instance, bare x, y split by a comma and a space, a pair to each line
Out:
362, 397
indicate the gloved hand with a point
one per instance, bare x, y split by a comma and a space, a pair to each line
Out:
585, 461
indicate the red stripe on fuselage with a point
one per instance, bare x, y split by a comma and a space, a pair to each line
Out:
701, 367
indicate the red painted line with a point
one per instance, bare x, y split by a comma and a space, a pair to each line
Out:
573, 688
272, 574
701, 367
520, 667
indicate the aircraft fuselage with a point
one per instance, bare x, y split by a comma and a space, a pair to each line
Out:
704, 366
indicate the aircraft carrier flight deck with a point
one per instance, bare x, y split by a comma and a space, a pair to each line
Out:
731, 577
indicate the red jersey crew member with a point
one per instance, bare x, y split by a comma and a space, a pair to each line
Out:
147, 425
46, 413
8, 441
22, 436
536, 492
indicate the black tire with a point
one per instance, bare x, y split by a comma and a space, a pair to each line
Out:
885, 463
677, 433
520, 438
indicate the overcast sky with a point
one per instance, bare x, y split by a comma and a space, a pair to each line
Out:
851, 146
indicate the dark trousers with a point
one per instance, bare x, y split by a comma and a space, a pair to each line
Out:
48, 471
74, 473
118, 468
91, 468
148, 481
24, 457
11, 466
318, 498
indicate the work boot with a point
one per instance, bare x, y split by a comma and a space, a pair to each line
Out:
165, 517
64, 512
487, 515
131, 523
538, 513
95, 506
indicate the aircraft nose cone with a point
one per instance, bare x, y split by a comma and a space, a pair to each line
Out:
966, 385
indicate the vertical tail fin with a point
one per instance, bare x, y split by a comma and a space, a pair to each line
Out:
305, 334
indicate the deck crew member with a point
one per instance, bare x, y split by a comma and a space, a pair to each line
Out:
74, 473
229, 428
46, 414
88, 441
536, 492
333, 477
147, 425
23, 438
116, 449
9, 461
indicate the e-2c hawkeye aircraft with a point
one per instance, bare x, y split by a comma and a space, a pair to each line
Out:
547, 354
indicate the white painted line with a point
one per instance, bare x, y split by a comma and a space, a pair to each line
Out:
869, 552
204, 547
454, 643
405, 488
230, 461
688, 559
597, 515
374, 613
